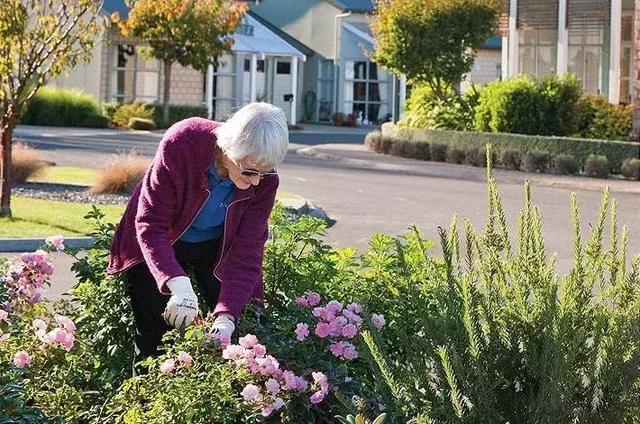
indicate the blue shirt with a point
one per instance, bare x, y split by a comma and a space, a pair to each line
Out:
209, 223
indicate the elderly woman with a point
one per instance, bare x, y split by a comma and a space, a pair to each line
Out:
201, 211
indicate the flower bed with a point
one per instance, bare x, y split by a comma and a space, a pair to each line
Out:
486, 333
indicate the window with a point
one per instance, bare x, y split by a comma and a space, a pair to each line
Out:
366, 91
224, 92
134, 78
537, 52
626, 60
283, 68
259, 65
586, 47
325, 90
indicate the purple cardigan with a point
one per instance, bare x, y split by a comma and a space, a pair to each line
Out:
169, 197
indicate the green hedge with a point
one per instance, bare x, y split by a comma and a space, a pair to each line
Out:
64, 108
615, 151
177, 113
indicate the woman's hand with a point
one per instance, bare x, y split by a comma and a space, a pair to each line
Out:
182, 307
223, 325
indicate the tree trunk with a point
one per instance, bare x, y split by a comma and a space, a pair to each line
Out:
636, 73
6, 131
167, 91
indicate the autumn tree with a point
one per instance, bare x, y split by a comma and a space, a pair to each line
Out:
432, 42
39, 39
191, 32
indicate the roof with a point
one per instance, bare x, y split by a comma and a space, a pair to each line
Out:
493, 43
263, 40
286, 37
111, 6
356, 6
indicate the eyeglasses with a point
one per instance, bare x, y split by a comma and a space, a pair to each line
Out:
247, 172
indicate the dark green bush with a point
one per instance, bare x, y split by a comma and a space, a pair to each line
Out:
615, 151
455, 155
596, 166
423, 151
631, 169
597, 118
438, 152
177, 113
68, 108
523, 105
511, 159
566, 164
424, 110
141, 124
536, 161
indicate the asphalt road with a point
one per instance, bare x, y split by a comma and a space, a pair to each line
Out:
364, 201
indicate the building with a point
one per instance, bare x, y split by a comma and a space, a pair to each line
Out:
262, 65
591, 38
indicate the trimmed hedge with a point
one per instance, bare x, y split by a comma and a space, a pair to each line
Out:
615, 151
64, 108
177, 113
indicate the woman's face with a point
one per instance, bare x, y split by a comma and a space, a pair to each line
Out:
248, 165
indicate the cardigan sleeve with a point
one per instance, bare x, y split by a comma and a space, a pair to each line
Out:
157, 210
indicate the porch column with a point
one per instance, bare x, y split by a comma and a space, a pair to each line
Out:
636, 71
513, 38
209, 92
402, 96
504, 63
615, 51
563, 38
294, 89
252, 81
394, 102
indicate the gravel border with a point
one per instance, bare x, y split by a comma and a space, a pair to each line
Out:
66, 193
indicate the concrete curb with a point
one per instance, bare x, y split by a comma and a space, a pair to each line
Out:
31, 244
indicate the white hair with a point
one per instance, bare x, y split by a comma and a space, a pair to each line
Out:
258, 130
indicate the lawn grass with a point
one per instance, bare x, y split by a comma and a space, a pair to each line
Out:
67, 175
41, 218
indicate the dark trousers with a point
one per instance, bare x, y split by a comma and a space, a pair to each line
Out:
197, 260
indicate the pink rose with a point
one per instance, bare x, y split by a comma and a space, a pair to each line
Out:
168, 366
233, 352
248, 341
354, 308
4, 336
378, 321
302, 331
251, 393
56, 241
313, 298
336, 349
302, 302
349, 331
319, 312
259, 350
185, 358
267, 410
21, 359
322, 330
39, 325
349, 352
272, 386
4, 315
65, 322
334, 306
278, 403
317, 397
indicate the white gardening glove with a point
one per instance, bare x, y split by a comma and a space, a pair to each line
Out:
182, 307
223, 325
